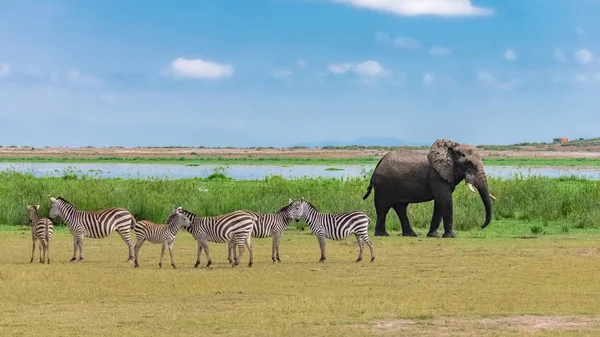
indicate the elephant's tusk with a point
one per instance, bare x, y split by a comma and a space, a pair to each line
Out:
471, 187
493, 197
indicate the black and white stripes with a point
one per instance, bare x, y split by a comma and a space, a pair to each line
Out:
273, 224
98, 224
337, 226
235, 227
160, 233
41, 229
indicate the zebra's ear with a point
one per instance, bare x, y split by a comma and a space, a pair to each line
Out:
302, 198
53, 199
180, 209
290, 201
37, 206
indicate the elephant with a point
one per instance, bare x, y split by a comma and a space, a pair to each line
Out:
402, 177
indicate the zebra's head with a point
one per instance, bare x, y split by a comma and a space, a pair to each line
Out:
55, 211
33, 211
296, 209
178, 218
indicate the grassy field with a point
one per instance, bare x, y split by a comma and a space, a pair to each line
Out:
500, 286
532, 271
371, 160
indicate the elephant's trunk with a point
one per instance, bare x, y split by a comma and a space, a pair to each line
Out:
482, 187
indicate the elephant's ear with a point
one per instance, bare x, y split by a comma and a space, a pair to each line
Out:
440, 157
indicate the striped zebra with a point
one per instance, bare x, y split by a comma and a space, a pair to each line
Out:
337, 226
41, 229
272, 224
160, 233
235, 227
96, 224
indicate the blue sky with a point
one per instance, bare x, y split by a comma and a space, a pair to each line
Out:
281, 72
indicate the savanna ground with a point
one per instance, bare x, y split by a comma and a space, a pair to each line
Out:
503, 285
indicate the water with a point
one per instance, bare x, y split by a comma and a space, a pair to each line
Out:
178, 171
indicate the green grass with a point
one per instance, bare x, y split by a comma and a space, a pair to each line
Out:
561, 202
416, 286
371, 161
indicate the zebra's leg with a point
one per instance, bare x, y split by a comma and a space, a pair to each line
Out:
81, 248
41, 247
277, 246
250, 250
171, 253
207, 252
124, 232
230, 251
240, 245
360, 247
321, 239
75, 246
138, 246
48, 251
199, 252
33, 250
162, 252
370, 245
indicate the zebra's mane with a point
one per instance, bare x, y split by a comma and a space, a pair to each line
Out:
65, 200
311, 205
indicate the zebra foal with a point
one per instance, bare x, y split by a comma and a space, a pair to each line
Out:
159, 233
272, 224
337, 226
95, 225
41, 229
235, 228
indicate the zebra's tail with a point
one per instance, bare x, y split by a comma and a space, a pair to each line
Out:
46, 234
133, 221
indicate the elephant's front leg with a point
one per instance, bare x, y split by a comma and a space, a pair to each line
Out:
447, 214
436, 219
400, 209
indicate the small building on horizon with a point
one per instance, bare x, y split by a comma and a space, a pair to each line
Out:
560, 140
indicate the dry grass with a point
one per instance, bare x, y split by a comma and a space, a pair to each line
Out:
416, 286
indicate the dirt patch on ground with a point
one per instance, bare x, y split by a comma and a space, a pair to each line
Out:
310, 153
518, 325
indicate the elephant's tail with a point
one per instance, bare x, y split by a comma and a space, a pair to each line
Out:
369, 189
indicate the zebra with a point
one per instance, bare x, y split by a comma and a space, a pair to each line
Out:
337, 226
96, 224
159, 233
41, 229
272, 224
235, 227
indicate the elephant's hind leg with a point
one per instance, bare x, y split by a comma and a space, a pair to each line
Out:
381, 215
400, 209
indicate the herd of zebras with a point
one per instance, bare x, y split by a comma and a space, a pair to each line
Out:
234, 228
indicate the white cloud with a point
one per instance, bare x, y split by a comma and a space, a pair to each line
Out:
428, 79
200, 69
510, 55
399, 42
584, 56
421, 7
282, 73
370, 68
76, 76
340, 68
4, 69
439, 50
559, 55
580, 32
489, 80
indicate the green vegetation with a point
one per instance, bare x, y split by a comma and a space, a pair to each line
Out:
415, 287
493, 159
583, 142
551, 202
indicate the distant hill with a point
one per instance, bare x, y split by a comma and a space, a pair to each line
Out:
363, 141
